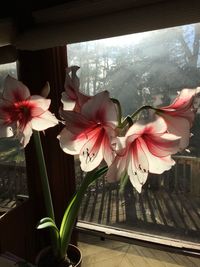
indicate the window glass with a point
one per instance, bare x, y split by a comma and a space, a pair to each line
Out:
146, 68
13, 185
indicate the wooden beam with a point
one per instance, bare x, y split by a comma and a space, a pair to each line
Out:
34, 69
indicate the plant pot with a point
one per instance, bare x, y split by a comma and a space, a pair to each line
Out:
46, 259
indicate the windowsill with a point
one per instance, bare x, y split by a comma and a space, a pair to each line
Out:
8, 259
163, 243
97, 252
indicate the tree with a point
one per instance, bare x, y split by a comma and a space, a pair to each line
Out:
161, 63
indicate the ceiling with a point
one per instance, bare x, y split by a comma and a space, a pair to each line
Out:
10, 8
26, 14
14, 8
31, 25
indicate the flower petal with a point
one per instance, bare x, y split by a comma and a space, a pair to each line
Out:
163, 145
183, 100
4, 108
137, 179
45, 90
71, 82
157, 126
25, 135
156, 164
91, 154
108, 152
68, 104
15, 90
76, 122
44, 121
39, 104
184, 105
73, 99
138, 166
179, 127
69, 143
100, 108
116, 169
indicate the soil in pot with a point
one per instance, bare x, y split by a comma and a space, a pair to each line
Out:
46, 259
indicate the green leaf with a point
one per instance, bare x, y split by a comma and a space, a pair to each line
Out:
71, 212
46, 219
47, 225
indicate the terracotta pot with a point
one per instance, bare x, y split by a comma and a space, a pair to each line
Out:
45, 258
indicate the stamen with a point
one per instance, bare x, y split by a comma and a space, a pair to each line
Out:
89, 157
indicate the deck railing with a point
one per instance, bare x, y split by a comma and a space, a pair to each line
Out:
187, 174
168, 207
183, 177
12, 181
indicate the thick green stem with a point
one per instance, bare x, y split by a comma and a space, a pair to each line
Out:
43, 176
46, 189
129, 119
140, 109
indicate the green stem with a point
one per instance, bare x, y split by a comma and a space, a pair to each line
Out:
128, 119
55, 239
43, 176
140, 109
71, 212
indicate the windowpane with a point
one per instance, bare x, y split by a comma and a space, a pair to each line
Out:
146, 69
13, 185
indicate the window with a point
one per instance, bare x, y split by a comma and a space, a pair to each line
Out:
13, 185
146, 68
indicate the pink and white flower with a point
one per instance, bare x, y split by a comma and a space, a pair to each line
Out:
180, 115
89, 133
72, 98
20, 113
145, 148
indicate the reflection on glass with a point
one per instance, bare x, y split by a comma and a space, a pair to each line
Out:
146, 68
13, 185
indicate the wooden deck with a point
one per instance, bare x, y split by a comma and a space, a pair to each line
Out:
168, 206
12, 180
6, 205
160, 211
13, 185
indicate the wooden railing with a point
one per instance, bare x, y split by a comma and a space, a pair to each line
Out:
183, 177
12, 181
187, 174
168, 207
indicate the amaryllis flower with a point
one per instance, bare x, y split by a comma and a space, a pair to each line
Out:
20, 113
72, 98
145, 148
89, 133
180, 115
